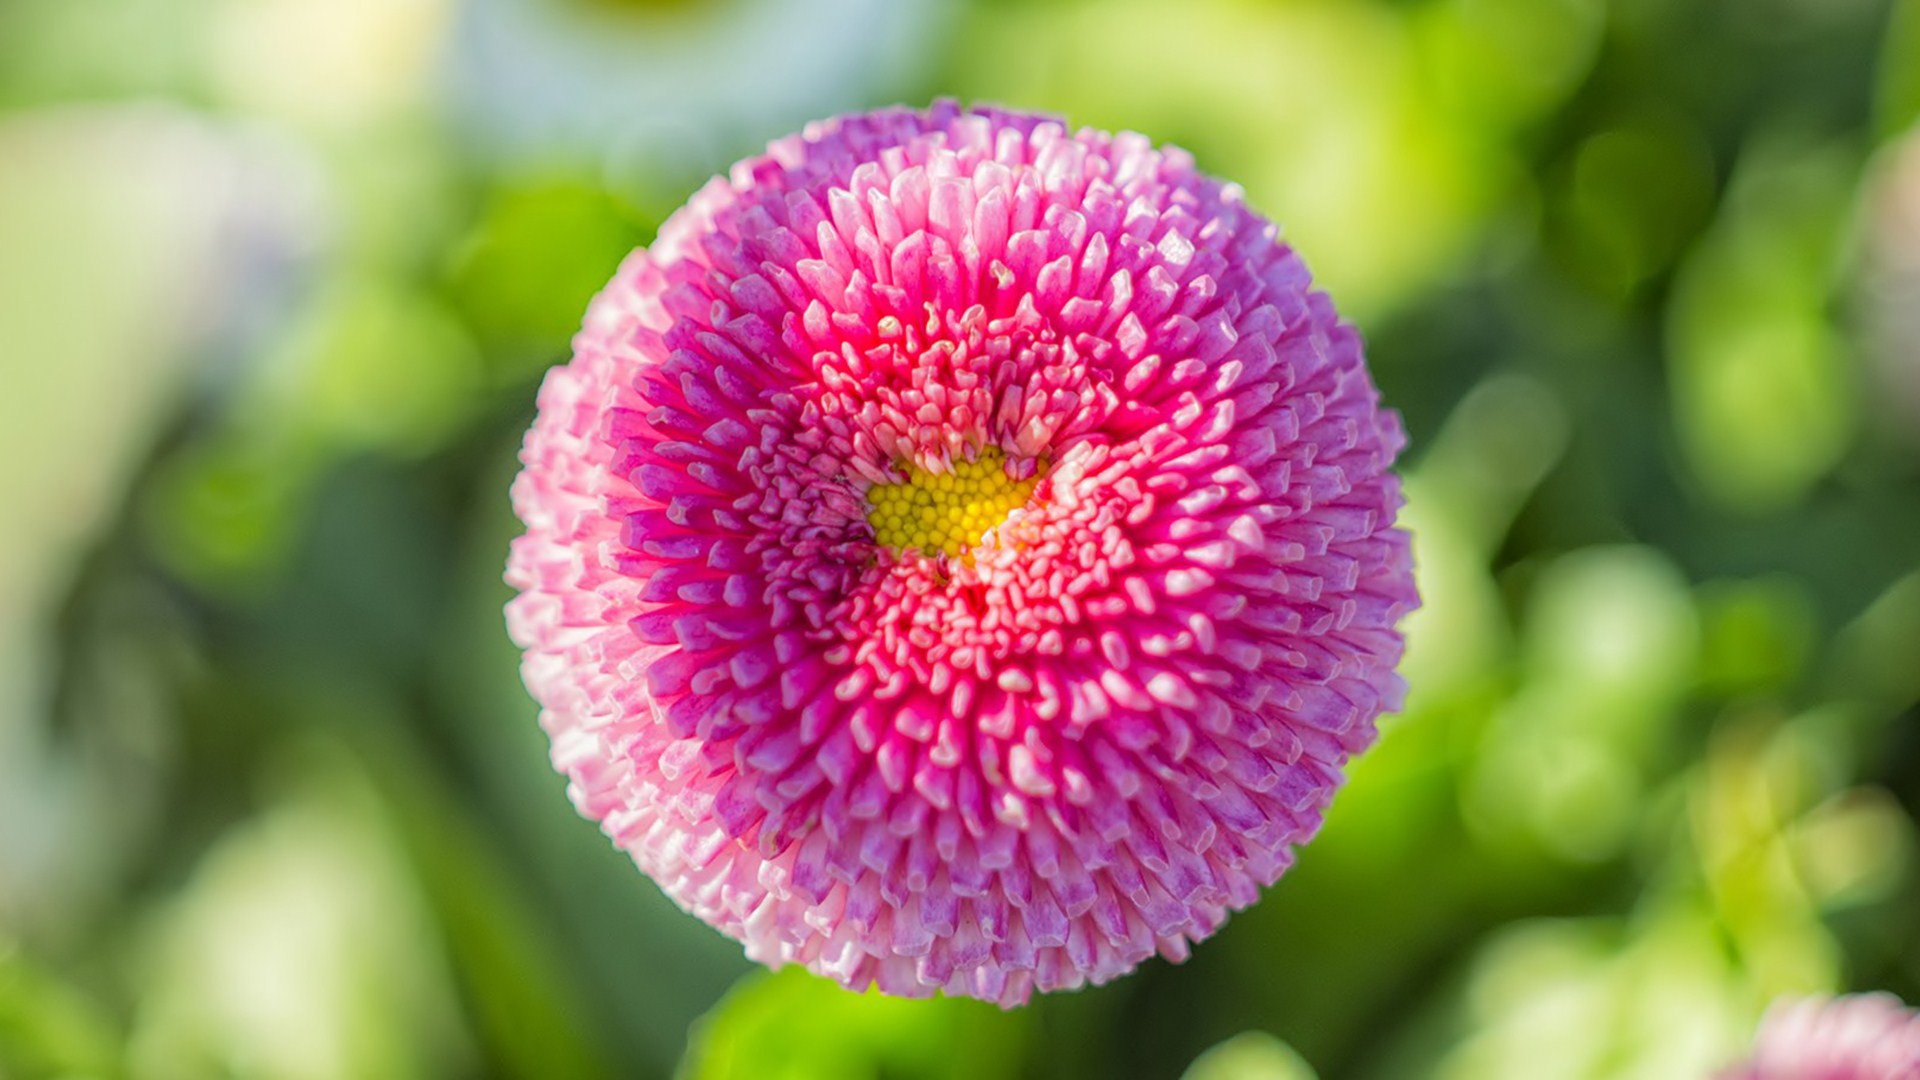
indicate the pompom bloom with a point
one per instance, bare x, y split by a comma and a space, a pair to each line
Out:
960, 554
1858, 1037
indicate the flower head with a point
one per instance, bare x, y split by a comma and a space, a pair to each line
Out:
1856, 1037
960, 554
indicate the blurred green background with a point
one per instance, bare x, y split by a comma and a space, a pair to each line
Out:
278, 279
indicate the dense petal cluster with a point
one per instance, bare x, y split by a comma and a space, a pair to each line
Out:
1856, 1037
960, 554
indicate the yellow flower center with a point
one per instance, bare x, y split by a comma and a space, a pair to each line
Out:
948, 512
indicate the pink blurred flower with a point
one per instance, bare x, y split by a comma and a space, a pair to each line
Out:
1857, 1037
1138, 599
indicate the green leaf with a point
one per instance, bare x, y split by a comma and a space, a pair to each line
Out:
796, 1026
1250, 1055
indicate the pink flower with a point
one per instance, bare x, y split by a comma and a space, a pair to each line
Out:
960, 554
1856, 1037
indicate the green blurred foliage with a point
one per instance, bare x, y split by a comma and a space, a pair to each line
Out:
1254, 1055
1899, 89
51, 1029
273, 308
569, 235
314, 884
793, 1026
1763, 396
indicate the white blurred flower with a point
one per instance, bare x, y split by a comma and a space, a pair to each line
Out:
134, 241
330, 64
631, 88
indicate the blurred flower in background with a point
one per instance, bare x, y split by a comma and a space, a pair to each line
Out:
1890, 288
142, 243
1860, 1037
278, 279
636, 91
